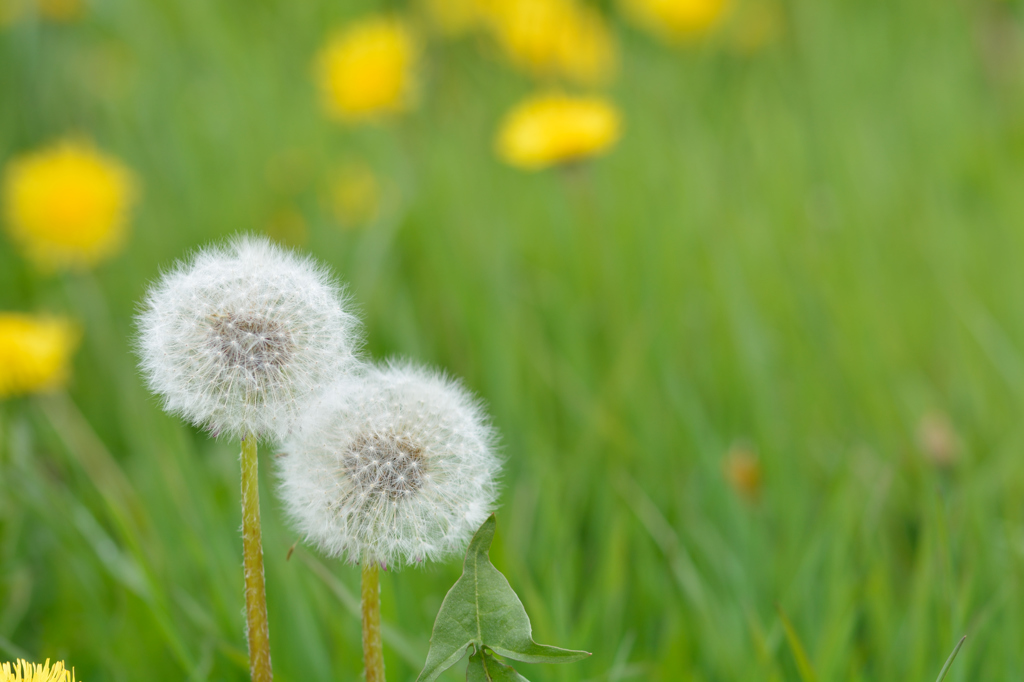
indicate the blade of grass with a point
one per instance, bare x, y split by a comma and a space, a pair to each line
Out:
803, 663
683, 568
949, 661
124, 506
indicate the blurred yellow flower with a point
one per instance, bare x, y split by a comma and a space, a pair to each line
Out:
677, 19
35, 354
67, 206
555, 38
355, 195
552, 129
366, 70
588, 53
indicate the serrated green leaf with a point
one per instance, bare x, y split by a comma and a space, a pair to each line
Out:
483, 667
481, 609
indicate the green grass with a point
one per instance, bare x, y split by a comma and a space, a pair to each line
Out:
806, 250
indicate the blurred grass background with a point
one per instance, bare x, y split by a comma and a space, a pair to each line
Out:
812, 253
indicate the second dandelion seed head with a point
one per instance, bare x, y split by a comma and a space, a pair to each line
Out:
394, 467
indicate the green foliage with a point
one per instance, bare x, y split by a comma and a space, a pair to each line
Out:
805, 250
483, 612
484, 667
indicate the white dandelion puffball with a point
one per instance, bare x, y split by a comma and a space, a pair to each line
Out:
394, 467
239, 336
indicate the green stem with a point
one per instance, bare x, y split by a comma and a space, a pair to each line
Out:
373, 650
257, 628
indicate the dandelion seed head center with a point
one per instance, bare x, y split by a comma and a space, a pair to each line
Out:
386, 465
250, 341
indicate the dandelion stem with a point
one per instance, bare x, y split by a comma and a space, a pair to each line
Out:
252, 560
373, 651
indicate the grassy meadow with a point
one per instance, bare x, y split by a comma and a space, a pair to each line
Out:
811, 252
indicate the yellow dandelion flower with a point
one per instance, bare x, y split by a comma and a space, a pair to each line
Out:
555, 38
677, 19
23, 671
587, 52
553, 129
367, 69
35, 353
67, 206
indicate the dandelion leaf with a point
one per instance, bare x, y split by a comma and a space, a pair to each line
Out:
481, 610
483, 667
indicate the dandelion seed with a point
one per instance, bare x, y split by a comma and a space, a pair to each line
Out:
366, 70
391, 468
23, 671
554, 129
67, 206
237, 338
35, 353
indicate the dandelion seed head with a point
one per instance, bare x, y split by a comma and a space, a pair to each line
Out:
394, 466
236, 338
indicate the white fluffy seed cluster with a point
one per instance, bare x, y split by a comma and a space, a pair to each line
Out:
239, 337
389, 464
393, 467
